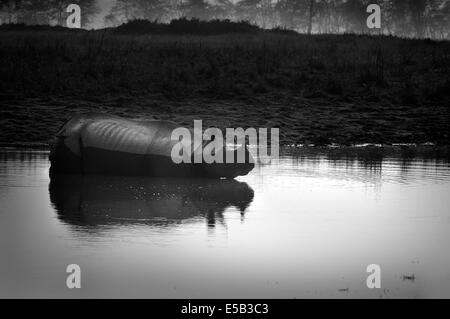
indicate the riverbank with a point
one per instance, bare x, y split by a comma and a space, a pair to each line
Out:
365, 153
301, 121
321, 90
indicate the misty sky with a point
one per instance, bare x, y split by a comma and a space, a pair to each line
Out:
435, 26
105, 6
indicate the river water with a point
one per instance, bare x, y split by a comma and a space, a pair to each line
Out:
304, 226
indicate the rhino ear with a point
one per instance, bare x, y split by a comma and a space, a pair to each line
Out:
69, 127
62, 131
73, 126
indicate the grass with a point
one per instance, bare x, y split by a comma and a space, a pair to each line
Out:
317, 89
186, 26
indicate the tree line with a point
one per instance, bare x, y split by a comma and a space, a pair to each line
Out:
48, 12
406, 18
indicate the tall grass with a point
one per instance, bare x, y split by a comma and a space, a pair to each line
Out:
343, 67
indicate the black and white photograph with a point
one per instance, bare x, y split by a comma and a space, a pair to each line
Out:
224, 150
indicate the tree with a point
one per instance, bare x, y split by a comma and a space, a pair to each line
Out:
8, 10
152, 9
122, 11
418, 10
355, 16
196, 9
47, 11
310, 15
292, 14
222, 9
438, 24
247, 10
259, 12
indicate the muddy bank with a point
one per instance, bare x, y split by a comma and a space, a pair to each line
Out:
300, 120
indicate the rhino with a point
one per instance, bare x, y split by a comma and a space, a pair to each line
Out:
101, 144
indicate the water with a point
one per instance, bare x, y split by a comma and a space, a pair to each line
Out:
303, 227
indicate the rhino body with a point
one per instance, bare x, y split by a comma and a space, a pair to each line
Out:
98, 144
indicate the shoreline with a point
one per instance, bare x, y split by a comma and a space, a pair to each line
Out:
367, 151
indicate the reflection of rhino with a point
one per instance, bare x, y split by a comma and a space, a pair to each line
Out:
100, 200
109, 145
